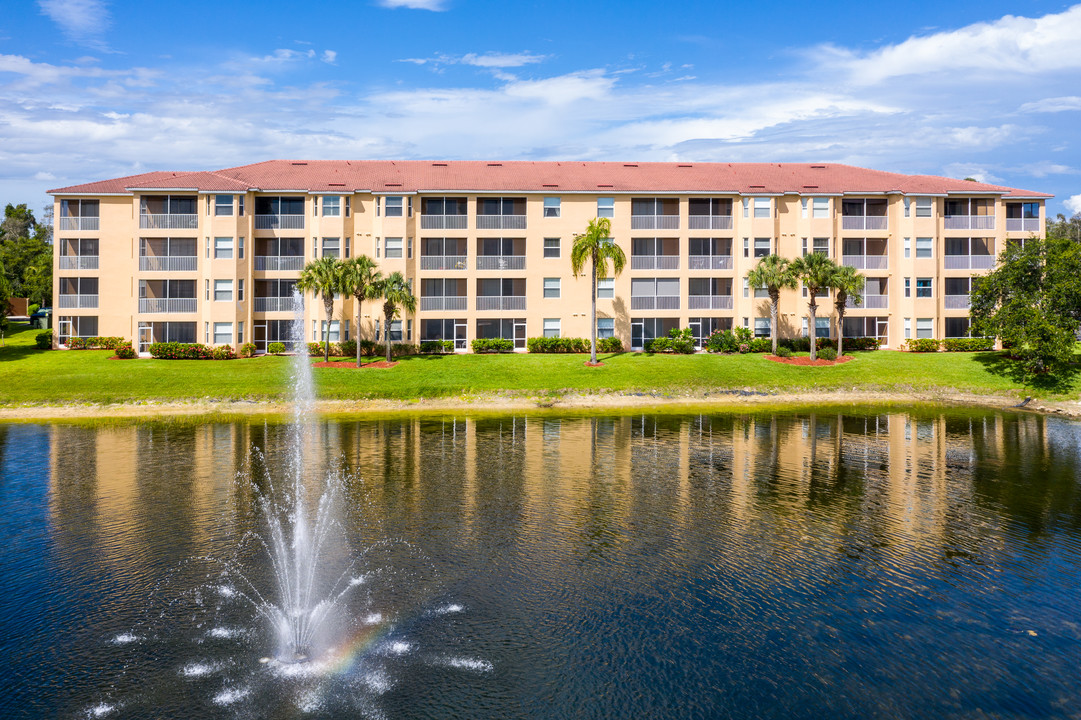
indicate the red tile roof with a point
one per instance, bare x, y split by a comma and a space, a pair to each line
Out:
389, 176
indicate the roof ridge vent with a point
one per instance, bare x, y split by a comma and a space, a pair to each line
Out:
630, 164
495, 164
684, 166
818, 167
549, 185
439, 164
298, 163
604, 186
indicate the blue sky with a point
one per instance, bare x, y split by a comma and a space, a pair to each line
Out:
91, 89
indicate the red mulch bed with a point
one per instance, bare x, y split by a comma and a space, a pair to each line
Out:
596, 364
352, 365
807, 361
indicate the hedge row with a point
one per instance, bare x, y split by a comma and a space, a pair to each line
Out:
368, 348
492, 345
191, 351
950, 344
94, 343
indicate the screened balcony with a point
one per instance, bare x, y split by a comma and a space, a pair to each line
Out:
168, 212
79, 214
865, 253
654, 253
501, 213
709, 294
969, 254
654, 214
654, 293
439, 213
279, 213
969, 214
501, 294
1023, 217
274, 295
79, 254
710, 254
443, 254
167, 296
863, 215
957, 294
875, 295
168, 255
501, 254
78, 293
276, 254
709, 214
440, 294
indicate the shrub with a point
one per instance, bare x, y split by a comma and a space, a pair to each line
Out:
922, 345
968, 344
315, 349
76, 343
125, 351
31, 309
436, 347
744, 348
247, 350
275, 348
103, 343
722, 341
223, 352
492, 345
370, 348
678, 341
401, 349
861, 344
557, 345
44, 340
181, 351
826, 354
797, 344
347, 348
782, 351
609, 345
761, 345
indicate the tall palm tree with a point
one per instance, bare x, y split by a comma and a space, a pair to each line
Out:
596, 245
323, 277
816, 271
849, 286
776, 273
359, 279
395, 291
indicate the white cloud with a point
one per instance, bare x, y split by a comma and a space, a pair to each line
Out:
1052, 105
329, 56
83, 21
489, 60
1073, 204
434, 5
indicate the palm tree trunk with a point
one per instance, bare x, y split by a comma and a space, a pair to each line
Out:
330, 313
813, 307
359, 303
841, 299
388, 316
774, 301
593, 314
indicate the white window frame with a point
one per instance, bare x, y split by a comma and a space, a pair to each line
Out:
223, 291
222, 209
606, 328
820, 209
908, 248
925, 328
551, 207
393, 206
763, 208
924, 207
908, 328
606, 288
606, 207
551, 327
928, 285
552, 287
332, 206
925, 247
223, 337
550, 245
223, 248
392, 248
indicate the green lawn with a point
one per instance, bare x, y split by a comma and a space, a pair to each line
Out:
28, 375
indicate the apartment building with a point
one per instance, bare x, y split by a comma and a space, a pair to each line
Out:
213, 256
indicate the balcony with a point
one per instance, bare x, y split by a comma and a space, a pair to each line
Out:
870, 302
79, 223
864, 222
78, 262
708, 222
654, 222
279, 222
501, 302
709, 302
501, 222
866, 262
168, 263
274, 263
445, 222
168, 222
439, 303
655, 302
968, 262
654, 262
168, 305
443, 262
501, 262
274, 304
956, 302
1023, 225
709, 262
969, 222
78, 301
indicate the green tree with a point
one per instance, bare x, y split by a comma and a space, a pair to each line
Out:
775, 273
5, 295
816, 271
360, 279
395, 292
849, 286
1032, 301
18, 222
323, 277
27, 255
596, 245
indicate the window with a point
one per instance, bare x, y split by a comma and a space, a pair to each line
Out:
606, 207
240, 248
331, 247
551, 207
240, 290
803, 207
908, 248
746, 247
821, 208
409, 247
761, 292
606, 328
223, 205
925, 328
551, 287
223, 248
761, 247
551, 247
908, 287
223, 290
223, 333
820, 246
240, 205
393, 204
315, 206
240, 333
332, 206
551, 327
956, 327
606, 288
347, 206
347, 247
746, 204
908, 328
393, 247
908, 203
746, 288
761, 327
762, 207
923, 287
923, 207
923, 247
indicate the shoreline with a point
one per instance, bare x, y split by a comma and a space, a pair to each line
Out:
495, 403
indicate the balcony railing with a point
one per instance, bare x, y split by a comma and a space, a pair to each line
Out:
654, 222
866, 262
969, 222
78, 262
274, 304
501, 302
79, 223
968, 262
279, 262
864, 222
168, 222
501, 222
655, 302
709, 222
444, 222
709, 302
168, 263
279, 222
709, 262
956, 302
654, 262
78, 301
167, 305
1022, 224
500, 262
443, 262
438, 303
870, 302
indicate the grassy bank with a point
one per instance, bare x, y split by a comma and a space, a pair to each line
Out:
31, 376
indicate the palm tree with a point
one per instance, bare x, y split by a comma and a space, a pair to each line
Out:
596, 245
775, 273
849, 286
359, 279
395, 291
817, 272
323, 277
